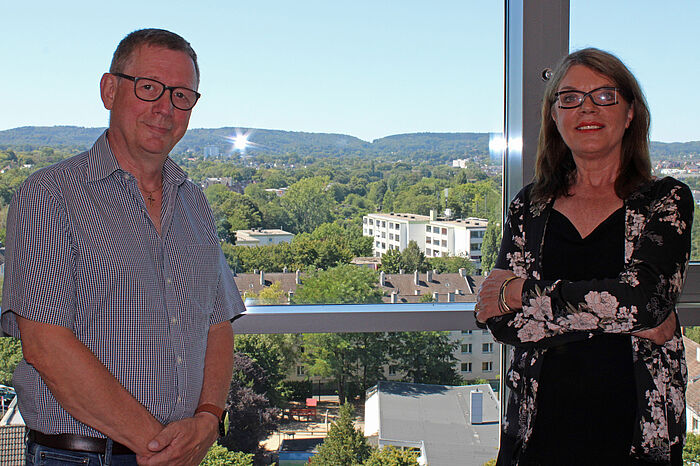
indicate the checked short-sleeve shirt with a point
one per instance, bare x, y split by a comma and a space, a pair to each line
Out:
83, 253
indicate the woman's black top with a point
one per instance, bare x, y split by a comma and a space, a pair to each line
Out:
586, 398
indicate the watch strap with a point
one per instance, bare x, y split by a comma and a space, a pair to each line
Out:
220, 414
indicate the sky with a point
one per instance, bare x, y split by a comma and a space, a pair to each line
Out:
364, 68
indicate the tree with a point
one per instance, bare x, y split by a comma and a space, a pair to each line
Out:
391, 261
10, 356
251, 418
392, 456
425, 357
274, 354
344, 284
451, 264
490, 247
344, 445
309, 203
222, 456
691, 450
343, 355
412, 258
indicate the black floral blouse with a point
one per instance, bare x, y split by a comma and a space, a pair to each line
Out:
658, 219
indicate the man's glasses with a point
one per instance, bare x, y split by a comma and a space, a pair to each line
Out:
603, 97
151, 90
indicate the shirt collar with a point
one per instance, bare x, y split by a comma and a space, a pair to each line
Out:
101, 163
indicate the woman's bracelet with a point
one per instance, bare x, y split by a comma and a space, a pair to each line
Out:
502, 304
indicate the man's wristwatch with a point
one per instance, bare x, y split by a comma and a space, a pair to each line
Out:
221, 414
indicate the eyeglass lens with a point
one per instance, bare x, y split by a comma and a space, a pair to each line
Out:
150, 90
601, 97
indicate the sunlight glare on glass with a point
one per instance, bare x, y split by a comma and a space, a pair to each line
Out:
241, 141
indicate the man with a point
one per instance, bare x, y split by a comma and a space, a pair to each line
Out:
116, 282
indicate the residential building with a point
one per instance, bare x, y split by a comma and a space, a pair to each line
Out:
262, 237
692, 392
393, 231
435, 237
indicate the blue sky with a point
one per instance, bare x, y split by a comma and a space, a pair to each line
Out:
364, 68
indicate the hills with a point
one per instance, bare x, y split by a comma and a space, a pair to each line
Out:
274, 142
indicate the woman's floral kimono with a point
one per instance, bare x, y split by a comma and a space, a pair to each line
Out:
658, 219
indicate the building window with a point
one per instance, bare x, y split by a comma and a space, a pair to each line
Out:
466, 332
444, 243
383, 235
300, 371
391, 236
383, 245
397, 237
436, 242
392, 370
487, 366
383, 224
475, 246
427, 228
428, 252
466, 367
364, 220
397, 226
466, 348
487, 348
371, 232
696, 424
428, 240
371, 222
444, 231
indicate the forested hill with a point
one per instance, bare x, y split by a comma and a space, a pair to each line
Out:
441, 146
268, 142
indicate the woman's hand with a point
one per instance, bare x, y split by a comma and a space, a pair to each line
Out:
487, 300
661, 333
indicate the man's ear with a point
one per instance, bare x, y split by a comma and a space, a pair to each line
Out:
108, 89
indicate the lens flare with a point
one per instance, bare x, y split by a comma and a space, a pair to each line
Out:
240, 141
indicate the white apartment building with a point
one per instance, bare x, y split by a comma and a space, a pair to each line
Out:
478, 355
393, 231
436, 238
262, 237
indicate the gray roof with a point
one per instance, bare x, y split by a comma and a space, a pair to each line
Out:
438, 415
465, 288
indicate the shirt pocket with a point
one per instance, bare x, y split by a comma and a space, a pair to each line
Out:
204, 274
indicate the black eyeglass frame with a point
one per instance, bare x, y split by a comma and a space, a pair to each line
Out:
588, 94
136, 79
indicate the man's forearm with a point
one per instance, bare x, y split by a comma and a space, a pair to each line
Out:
84, 387
218, 365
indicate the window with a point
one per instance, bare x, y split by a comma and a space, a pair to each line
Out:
427, 228
475, 246
364, 220
397, 237
371, 232
392, 370
466, 348
383, 224
487, 366
391, 236
397, 226
487, 348
444, 231
428, 240
371, 222
466, 367
300, 371
428, 251
383, 235
444, 243
383, 245
466, 332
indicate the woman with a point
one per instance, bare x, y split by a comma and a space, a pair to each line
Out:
591, 265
